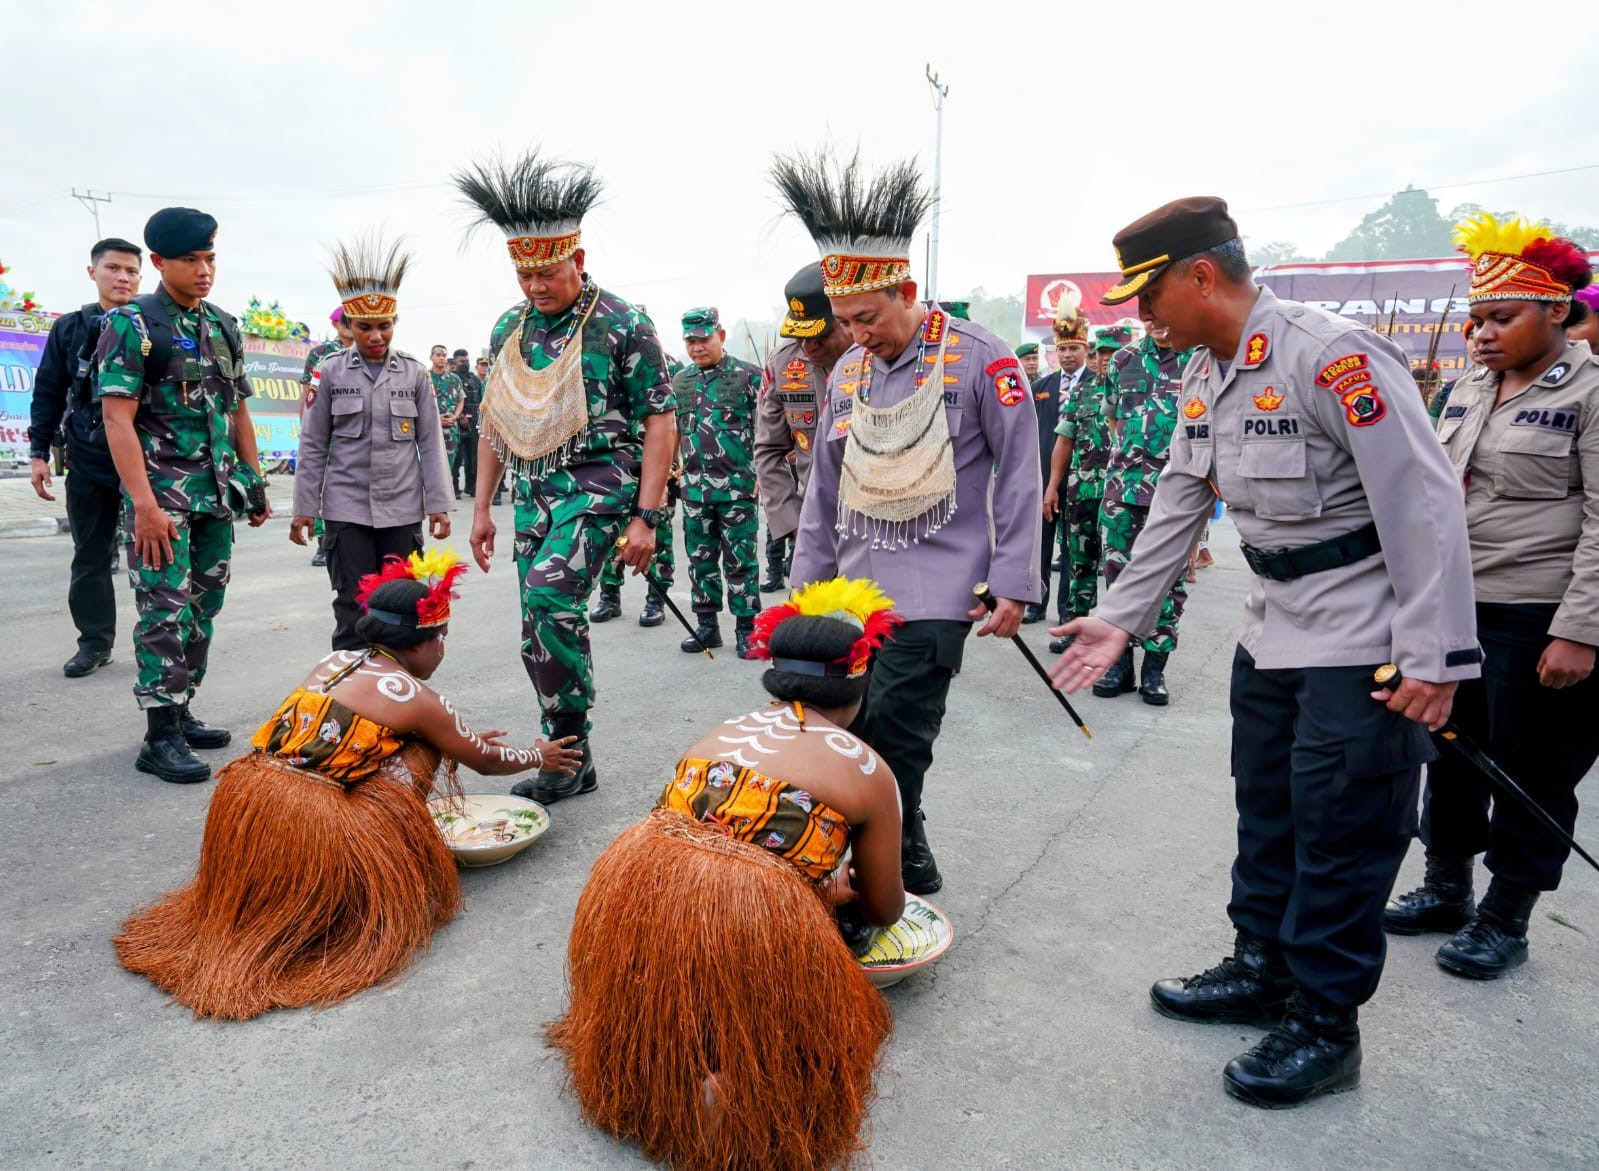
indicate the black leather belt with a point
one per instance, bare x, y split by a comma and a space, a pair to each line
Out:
1287, 564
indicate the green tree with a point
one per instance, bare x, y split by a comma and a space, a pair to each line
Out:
1002, 314
1579, 234
1408, 225
1275, 252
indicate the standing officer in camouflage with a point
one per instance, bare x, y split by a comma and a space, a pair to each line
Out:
1082, 450
450, 395
716, 399
310, 379
1309, 426
663, 568
1144, 380
579, 406
792, 389
64, 403
372, 461
173, 390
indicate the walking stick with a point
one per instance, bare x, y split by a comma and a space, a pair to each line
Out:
1388, 676
986, 597
665, 599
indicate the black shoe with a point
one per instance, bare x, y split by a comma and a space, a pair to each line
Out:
609, 606
1119, 679
198, 735
1316, 1050
1152, 680
706, 634
652, 614
164, 752
773, 581
499, 498
1496, 938
1442, 902
1058, 645
550, 787
1033, 613
743, 632
918, 872
1251, 986
85, 662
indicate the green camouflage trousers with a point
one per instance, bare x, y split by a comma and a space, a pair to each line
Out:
559, 552
1120, 524
1080, 538
178, 606
718, 533
663, 565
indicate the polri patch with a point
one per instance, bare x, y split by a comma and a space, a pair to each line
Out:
1364, 407
1335, 370
1255, 350
1287, 425
1543, 419
1009, 389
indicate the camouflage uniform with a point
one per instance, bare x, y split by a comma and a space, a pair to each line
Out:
1144, 380
567, 522
716, 435
449, 392
185, 428
1082, 420
310, 384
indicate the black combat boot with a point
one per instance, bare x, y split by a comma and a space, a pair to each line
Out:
1496, 938
198, 735
774, 579
1315, 1050
164, 752
918, 872
652, 614
1152, 680
708, 634
86, 662
1119, 679
1251, 986
743, 632
609, 606
1033, 613
1057, 646
549, 786
1442, 902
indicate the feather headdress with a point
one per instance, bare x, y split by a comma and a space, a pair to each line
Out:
1071, 325
862, 226
538, 203
857, 601
438, 569
1517, 260
368, 275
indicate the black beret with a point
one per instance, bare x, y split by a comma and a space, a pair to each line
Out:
175, 231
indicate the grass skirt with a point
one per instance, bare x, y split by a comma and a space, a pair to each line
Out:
717, 1018
306, 892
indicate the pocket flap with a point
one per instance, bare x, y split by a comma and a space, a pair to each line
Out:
1272, 459
347, 404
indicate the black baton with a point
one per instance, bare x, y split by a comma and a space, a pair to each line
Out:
986, 597
1388, 676
660, 592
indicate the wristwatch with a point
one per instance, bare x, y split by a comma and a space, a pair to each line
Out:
654, 517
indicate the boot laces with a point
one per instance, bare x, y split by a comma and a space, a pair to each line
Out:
1280, 1044
1482, 932
1226, 972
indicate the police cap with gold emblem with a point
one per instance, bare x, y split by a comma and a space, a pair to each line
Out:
177, 231
809, 311
1179, 229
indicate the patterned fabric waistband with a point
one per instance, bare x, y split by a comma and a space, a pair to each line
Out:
282, 765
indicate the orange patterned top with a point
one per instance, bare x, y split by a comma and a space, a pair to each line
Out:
754, 808
314, 731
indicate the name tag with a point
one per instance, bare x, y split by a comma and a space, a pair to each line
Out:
345, 392
796, 398
1284, 426
1546, 420
1454, 412
1198, 431
402, 392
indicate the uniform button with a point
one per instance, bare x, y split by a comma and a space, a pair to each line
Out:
1297, 313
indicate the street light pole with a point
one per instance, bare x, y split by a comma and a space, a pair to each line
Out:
92, 201
940, 92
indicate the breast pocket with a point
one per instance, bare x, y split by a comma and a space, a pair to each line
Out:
349, 416
1278, 479
956, 415
1536, 464
402, 420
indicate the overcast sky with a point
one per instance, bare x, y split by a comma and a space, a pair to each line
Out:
1064, 122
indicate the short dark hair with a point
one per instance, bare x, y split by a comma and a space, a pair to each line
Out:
814, 638
460, 354
394, 597
438, 346
114, 244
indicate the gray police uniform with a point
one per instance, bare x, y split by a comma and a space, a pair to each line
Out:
1354, 524
372, 466
1530, 467
785, 426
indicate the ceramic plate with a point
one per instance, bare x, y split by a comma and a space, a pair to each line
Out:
483, 829
922, 934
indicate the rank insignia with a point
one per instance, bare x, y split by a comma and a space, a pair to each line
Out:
1255, 349
795, 368
841, 426
933, 331
1269, 399
1194, 407
1009, 389
802, 441
1333, 371
847, 387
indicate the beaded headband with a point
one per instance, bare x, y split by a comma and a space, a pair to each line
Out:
844, 274
530, 253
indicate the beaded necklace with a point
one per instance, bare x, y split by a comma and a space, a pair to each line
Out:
930, 329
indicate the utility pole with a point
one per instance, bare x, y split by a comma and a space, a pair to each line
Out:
92, 201
940, 92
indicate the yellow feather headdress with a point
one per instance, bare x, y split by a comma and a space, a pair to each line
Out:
858, 601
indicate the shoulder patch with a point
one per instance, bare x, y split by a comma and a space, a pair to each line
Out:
1337, 368
1556, 374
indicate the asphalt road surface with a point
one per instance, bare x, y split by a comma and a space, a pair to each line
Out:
1077, 872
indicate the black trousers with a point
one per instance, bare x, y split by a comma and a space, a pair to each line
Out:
94, 510
353, 552
1545, 738
905, 700
1325, 779
463, 474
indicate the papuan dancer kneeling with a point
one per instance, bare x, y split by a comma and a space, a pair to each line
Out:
717, 1017
321, 872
